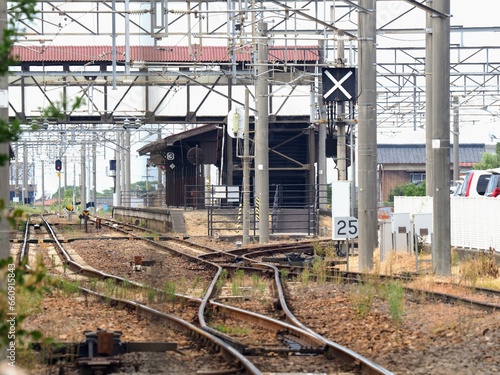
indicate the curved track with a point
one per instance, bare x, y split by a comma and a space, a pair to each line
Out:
289, 338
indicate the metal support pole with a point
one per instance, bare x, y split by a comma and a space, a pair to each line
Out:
59, 193
429, 181
43, 185
341, 136
25, 174
161, 187
118, 171
94, 176
83, 177
367, 140
261, 134
246, 172
441, 263
123, 170
456, 144
128, 169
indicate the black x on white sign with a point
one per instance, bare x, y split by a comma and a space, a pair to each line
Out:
339, 84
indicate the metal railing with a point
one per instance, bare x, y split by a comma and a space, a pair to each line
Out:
295, 208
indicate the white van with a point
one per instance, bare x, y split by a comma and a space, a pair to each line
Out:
475, 183
493, 188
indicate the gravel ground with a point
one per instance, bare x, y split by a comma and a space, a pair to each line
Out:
429, 337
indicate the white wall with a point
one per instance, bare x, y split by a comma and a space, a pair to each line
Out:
475, 222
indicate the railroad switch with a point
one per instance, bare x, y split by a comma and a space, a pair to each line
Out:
296, 259
101, 350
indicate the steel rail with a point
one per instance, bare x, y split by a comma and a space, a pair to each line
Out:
333, 349
295, 328
178, 324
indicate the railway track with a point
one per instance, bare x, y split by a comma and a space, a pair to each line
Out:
229, 310
284, 338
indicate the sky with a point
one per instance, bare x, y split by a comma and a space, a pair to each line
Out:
485, 130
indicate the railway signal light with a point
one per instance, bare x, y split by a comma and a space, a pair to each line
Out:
58, 165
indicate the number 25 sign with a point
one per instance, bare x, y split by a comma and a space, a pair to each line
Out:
345, 227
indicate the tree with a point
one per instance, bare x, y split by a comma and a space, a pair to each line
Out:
489, 160
407, 190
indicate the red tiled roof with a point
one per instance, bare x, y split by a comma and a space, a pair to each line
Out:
157, 54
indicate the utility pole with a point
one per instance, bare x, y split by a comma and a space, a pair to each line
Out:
429, 180
25, 173
441, 259
161, 188
367, 140
322, 166
43, 185
118, 171
456, 145
246, 172
83, 175
94, 174
261, 134
127, 167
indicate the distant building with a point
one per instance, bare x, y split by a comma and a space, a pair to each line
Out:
400, 164
17, 196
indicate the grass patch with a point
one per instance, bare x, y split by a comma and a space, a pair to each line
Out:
362, 298
233, 330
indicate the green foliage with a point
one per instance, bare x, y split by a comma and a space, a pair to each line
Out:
407, 190
305, 276
238, 282
394, 293
57, 108
489, 160
20, 292
170, 289
20, 11
143, 186
221, 280
362, 299
243, 331
284, 274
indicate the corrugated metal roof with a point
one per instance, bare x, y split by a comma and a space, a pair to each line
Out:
157, 54
415, 153
162, 144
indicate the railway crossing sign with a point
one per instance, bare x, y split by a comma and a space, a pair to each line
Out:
339, 84
345, 227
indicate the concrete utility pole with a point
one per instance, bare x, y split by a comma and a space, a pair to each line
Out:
322, 166
428, 104
367, 129
261, 134
441, 260
4, 150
